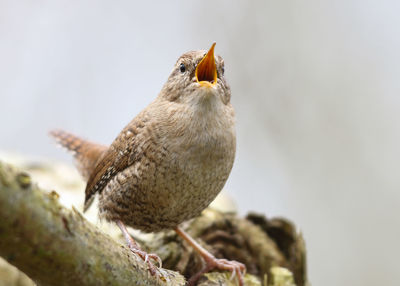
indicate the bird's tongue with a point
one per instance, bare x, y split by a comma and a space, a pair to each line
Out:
206, 71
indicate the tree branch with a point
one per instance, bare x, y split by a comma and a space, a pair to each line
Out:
57, 246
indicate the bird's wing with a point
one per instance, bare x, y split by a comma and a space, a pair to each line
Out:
121, 154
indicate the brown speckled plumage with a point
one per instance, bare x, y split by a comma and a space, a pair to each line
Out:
87, 154
174, 157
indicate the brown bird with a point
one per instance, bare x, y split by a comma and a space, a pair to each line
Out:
170, 161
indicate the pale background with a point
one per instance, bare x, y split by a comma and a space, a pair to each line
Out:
315, 86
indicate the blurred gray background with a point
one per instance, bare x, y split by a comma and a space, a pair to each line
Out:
315, 86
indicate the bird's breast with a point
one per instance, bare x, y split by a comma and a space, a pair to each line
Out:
191, 158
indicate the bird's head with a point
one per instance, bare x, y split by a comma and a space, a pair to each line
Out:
196, 77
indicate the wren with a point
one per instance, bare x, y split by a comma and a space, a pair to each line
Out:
170, 161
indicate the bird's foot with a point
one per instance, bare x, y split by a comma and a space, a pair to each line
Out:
134, 247
236, 268
147, 257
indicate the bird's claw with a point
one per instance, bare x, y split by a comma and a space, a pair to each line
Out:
147, 257
238, 269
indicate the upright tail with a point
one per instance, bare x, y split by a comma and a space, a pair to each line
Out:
86, 153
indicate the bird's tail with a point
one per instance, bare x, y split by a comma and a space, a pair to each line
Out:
86, 153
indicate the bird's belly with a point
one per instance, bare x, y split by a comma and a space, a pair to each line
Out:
163, 195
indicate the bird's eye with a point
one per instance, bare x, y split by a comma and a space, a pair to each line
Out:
182, 68
223, 70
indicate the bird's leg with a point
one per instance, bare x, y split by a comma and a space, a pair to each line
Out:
134, 247
212, 262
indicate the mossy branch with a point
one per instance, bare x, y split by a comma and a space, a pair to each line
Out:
57, 246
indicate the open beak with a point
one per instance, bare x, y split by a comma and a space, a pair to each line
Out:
206, 70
